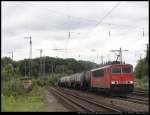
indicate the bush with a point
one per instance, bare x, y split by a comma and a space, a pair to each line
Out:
142, 83
141, 69
46, 81
12, 87
39, 82
53, 78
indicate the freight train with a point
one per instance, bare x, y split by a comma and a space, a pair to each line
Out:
110, 78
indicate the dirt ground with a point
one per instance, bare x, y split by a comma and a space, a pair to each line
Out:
52, 103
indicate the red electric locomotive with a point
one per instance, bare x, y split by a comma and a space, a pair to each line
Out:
110, 78
116, 78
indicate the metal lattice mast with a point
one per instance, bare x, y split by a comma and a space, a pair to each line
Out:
30, 55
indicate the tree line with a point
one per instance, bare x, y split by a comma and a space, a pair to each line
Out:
58, 65
142, 67
49, 65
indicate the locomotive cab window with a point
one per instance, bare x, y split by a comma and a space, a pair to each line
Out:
98, 73
127, 70
116, 70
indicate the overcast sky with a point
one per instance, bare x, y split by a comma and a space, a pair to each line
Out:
89, 24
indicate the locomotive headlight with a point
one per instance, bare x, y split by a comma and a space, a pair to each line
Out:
114, 82
131, 82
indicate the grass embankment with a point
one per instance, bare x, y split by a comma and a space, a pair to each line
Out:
142, 84
31, 102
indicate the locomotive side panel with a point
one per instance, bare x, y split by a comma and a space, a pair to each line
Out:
99, 78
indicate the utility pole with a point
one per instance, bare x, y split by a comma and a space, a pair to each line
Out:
120, 54
30, 55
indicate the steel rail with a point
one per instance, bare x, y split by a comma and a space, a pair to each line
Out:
133, 100
73, 101
92, 102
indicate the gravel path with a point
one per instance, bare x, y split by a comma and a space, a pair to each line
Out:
53, 104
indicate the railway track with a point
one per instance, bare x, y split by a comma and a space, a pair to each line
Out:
81, 103
141, 93
134, 99
139, 96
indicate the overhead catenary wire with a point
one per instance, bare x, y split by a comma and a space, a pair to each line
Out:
92, 20
83, 18
102, 19
57, 12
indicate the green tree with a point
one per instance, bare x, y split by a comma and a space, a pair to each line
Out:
6, 61
55, 65
147, 55
7, 72
141, 69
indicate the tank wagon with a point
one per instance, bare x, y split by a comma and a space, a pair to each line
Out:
110, 78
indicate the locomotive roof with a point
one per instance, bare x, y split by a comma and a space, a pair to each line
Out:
101, 67
107, 66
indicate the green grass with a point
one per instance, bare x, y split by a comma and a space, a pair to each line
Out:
32, 102
142, 84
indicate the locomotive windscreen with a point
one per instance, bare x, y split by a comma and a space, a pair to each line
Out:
123, 70
127, 70
116, 70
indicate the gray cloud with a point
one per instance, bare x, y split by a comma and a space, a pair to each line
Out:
49, 25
